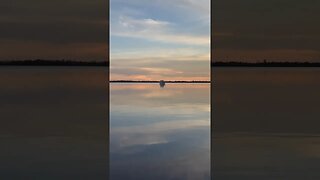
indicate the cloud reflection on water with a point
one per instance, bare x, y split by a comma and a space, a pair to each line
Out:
164, 131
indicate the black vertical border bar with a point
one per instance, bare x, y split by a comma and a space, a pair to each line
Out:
108, 88
211, 89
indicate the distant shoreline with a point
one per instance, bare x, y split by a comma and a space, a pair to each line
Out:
265, 64
128, 81
41, 62
53, 63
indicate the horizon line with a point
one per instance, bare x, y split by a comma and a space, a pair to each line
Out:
157, 81
105, 63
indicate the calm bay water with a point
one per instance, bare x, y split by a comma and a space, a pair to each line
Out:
266, 123
159, 133
53, 123
54, 119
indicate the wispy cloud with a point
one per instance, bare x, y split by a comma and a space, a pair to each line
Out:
195, 8
163, 54
202, 7
155, 30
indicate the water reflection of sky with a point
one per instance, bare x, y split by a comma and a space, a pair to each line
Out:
53, 123
266, 123
160, 133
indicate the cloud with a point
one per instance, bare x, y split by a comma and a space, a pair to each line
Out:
160, 54
142, 23
155, 30
158, 69
200, 6
193, 8
175, 63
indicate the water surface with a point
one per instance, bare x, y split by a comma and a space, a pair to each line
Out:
53, 123
266, 123
159, 133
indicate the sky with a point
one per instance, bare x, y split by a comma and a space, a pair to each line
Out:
254, 30
56, 29
247, 30
160, 39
